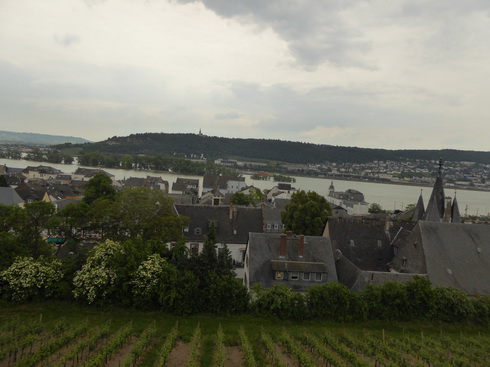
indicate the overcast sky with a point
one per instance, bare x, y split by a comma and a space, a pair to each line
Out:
383, 74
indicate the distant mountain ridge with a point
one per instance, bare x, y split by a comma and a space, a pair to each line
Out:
212, 147
10, 137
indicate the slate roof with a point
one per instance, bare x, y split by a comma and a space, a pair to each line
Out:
218, 182
419, 209
228, 230
457, 255
263, 258
356, 279
186, 184
435, 208
365, 242
8, 196
91, 172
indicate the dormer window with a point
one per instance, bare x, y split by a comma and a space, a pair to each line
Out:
279, 275
197, 230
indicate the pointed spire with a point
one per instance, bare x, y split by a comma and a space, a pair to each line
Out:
455, 215
331, 187
419, 209
437, 197
432, 214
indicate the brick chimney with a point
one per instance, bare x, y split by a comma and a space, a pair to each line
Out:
282, 245
301, 246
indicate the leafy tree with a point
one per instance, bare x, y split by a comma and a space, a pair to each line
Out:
99, 186
410, 207
3, 181
11, 248
39, 217
239, 198
306, 213
73, 220
147, 214
375, 208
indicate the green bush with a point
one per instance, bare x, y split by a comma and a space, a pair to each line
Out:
332, 301
451, 305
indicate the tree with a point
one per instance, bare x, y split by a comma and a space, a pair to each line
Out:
239, 198
3, 181
99, 186
39, 217
375, 208
306, 213
145, 213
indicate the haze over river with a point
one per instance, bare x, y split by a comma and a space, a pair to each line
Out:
389, 196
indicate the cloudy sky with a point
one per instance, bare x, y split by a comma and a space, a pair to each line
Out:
372, 73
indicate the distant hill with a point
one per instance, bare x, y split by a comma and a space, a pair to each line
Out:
189, 145
9, 137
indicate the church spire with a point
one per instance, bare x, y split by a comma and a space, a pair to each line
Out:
435, 208
419, 209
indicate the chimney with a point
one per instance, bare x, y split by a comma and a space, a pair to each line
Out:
230, 213
282, 245
301, 246
447, 209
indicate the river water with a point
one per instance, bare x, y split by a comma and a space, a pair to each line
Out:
389, 196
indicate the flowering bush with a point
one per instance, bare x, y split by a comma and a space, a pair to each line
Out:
98, 278
154, 283
146, 278
28, 278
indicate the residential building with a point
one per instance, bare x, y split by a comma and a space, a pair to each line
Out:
296, 261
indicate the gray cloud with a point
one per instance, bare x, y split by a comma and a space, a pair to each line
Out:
315, 31
66, 40
331, 31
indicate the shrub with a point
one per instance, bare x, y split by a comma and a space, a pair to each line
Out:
28, 279
451, 304
330, 301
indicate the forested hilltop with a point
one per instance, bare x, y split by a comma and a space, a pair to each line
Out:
212, 147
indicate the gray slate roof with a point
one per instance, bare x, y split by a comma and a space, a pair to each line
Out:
457, 255
228, 230
365, 242
8, 196
263, 257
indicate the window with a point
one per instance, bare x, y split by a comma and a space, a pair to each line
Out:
294, 275
279, 275
404, 261
380, 243
318, 277
268, 226
186, 229
276, 226
197, 230
306, 276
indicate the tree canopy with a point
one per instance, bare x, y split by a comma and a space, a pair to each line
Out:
306, 213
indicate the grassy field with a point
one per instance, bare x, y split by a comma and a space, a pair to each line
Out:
58, 327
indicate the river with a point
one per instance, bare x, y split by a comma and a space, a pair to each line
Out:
389, 196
